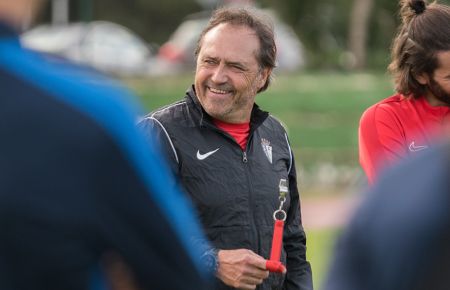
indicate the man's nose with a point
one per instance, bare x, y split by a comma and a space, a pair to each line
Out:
219, 75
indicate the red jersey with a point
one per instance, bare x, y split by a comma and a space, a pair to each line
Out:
395, 128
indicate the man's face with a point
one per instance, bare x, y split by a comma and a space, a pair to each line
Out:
228, 75
439, 83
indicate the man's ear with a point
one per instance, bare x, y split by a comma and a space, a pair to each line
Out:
263, 75
422, 78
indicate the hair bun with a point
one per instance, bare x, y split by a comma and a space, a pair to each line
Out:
418, 6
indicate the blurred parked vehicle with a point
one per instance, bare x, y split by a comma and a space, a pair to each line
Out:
106, 46
177, 54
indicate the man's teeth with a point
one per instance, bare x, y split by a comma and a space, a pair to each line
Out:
217, 91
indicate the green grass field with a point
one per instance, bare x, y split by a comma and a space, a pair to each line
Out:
321, 112
320, 244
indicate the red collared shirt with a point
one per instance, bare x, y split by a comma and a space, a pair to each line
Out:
395, 128
238, 131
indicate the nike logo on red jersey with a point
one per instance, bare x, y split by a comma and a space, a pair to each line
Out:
415, 148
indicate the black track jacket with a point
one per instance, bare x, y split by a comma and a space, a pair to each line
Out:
235, 191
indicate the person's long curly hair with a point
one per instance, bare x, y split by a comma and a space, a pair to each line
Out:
425, 31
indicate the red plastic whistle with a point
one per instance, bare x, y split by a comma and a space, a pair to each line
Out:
274, 264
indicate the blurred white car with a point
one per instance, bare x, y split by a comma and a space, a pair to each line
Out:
106, 46
177, 54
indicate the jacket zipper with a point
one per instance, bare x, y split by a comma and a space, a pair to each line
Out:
244, 152
251, 201
250, 195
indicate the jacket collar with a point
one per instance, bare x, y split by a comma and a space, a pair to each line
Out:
201, 117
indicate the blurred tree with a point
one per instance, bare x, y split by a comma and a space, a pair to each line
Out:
85, 10
153, 20
60, 12
334, 34
320, 24
326, 27
358, 32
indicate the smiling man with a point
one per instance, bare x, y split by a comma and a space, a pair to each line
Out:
230, 155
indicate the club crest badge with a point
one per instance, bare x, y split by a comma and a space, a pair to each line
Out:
267, 148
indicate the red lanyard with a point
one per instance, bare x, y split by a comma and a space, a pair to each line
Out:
274, 264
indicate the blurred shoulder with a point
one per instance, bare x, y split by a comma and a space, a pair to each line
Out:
383, 108
168, 112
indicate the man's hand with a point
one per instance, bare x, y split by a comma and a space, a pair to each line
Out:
242, 268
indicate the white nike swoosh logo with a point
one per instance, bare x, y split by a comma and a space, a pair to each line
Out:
414, 148
206, 155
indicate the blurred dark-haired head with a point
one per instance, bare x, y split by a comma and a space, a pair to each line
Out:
424, 32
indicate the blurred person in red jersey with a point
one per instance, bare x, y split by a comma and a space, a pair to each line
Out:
409, 121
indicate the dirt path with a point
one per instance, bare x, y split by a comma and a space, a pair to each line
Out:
328, 212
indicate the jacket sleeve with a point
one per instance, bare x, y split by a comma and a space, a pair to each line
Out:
298, 275
155, 132
381, 141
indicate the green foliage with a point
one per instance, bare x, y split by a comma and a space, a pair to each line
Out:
322, 112
322, 26
152, 20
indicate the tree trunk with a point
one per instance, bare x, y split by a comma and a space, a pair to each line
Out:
60, 12
358, 31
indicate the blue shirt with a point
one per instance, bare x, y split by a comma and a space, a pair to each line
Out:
78, 183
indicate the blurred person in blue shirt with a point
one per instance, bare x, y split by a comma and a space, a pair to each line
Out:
80, 191
400, 236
